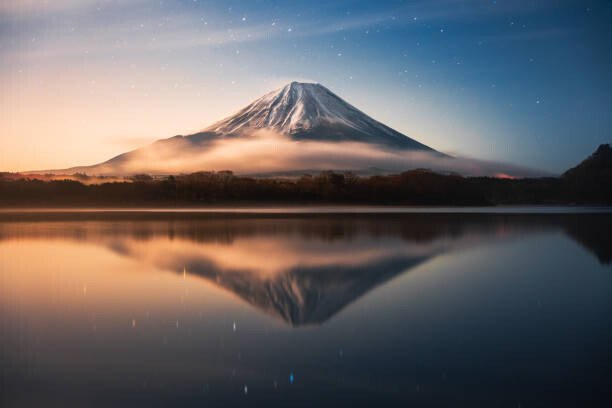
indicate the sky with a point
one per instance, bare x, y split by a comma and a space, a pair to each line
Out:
526, 82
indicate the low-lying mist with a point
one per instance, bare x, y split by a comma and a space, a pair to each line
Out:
267, 152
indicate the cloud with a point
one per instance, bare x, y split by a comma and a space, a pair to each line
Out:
30, 8
267, 152
130, 33
529, 35
131, 142
110, 27
469, 10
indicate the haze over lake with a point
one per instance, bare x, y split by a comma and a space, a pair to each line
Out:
235, 309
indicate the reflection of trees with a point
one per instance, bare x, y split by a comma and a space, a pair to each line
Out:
593, 231
307, 294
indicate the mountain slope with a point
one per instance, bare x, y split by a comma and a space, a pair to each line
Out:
309, 111
298, 112
591, 180
598, 164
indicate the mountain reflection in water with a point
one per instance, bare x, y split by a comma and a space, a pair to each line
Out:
303, 269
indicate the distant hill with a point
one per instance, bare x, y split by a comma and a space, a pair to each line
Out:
598, 165
591, 180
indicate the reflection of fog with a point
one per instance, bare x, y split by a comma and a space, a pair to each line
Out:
304, 269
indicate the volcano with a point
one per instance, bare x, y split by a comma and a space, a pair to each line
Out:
309, 111
305, 118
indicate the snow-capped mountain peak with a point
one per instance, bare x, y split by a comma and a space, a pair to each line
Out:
296, 106
311, 111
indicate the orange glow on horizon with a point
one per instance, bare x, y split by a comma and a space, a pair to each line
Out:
504, 176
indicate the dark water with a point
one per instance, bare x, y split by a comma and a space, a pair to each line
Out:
309, 310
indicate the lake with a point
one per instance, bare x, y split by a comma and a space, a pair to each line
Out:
334, 308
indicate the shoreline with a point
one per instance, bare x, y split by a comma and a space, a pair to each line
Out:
316, 209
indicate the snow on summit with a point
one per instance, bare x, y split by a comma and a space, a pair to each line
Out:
294, 107
310, 111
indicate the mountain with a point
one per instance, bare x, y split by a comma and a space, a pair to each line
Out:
591, 180
309, 111
297, 112
598, 164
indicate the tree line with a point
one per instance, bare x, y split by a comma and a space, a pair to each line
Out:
415, 187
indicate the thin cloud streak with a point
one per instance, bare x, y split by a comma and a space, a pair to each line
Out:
28, 9
187, 30
530, 35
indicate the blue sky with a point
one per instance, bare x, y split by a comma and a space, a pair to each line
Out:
528, 82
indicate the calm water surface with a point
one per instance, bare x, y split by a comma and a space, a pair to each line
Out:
235, 309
